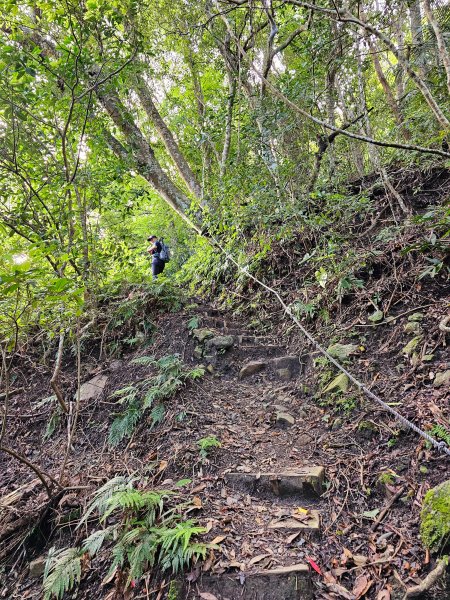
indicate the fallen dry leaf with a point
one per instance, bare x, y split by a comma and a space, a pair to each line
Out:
292, 537
197, 502
341, 591
207, 596
218, 539
314, 565
199, 488
384, 595
162, 465
362, 586
256, 559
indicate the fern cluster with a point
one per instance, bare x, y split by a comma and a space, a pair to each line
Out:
441, 433
145, 533
149, 394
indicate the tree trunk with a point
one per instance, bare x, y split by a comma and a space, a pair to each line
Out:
146, 162
443, 53
387, 90
166, 136
415, 19
228, 122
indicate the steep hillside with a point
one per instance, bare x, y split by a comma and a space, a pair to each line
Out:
304, 487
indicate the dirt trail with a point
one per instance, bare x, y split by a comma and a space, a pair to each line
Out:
292, 495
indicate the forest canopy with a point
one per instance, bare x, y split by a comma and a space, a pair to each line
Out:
230, 118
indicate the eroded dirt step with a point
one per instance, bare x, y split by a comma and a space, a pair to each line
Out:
281, 583
300, 482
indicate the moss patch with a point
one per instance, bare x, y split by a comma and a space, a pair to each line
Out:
435, 517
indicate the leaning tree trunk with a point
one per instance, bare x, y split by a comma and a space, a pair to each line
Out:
167, 137
146, 162
443, 52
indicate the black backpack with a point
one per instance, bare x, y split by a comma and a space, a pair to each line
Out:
165, 252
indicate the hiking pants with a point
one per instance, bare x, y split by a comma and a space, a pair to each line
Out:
157, 266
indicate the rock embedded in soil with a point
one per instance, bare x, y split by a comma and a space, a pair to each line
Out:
221, 342
198, 352
251, 368
202, 334
115, 365
286, 367
37, 566
442, 378
340, 382
435, 518
342, 351
92, 389
284, 420
412, 327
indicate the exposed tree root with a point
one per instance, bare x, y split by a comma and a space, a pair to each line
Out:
429, 581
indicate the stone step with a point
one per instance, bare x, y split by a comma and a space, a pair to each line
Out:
280, 583
283, 367
306, 523
299, 482
256, 340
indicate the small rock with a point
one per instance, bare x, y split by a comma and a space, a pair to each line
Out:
376, 317
202, 334
418, 316
198, 352
255, 366
412, 327
115, 365
285, 420
286, 367
92, 389
37, 566
411, 346
221, 342
342, 351
442, 378
284, 374
337, 424
339, 383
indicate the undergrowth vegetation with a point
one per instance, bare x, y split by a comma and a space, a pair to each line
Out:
139, 528
149, 393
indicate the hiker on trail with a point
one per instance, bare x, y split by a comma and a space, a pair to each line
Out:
160, 254
155, 250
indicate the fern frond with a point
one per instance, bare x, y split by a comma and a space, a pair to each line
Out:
170, 364
175, 545
144, 361
94, 542
101, 497
62, 572
441, 433
129, 389
142, 557
124, 425
196, 373
150, 397
157, 414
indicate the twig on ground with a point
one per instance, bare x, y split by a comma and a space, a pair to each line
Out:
429, 581
386, 509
